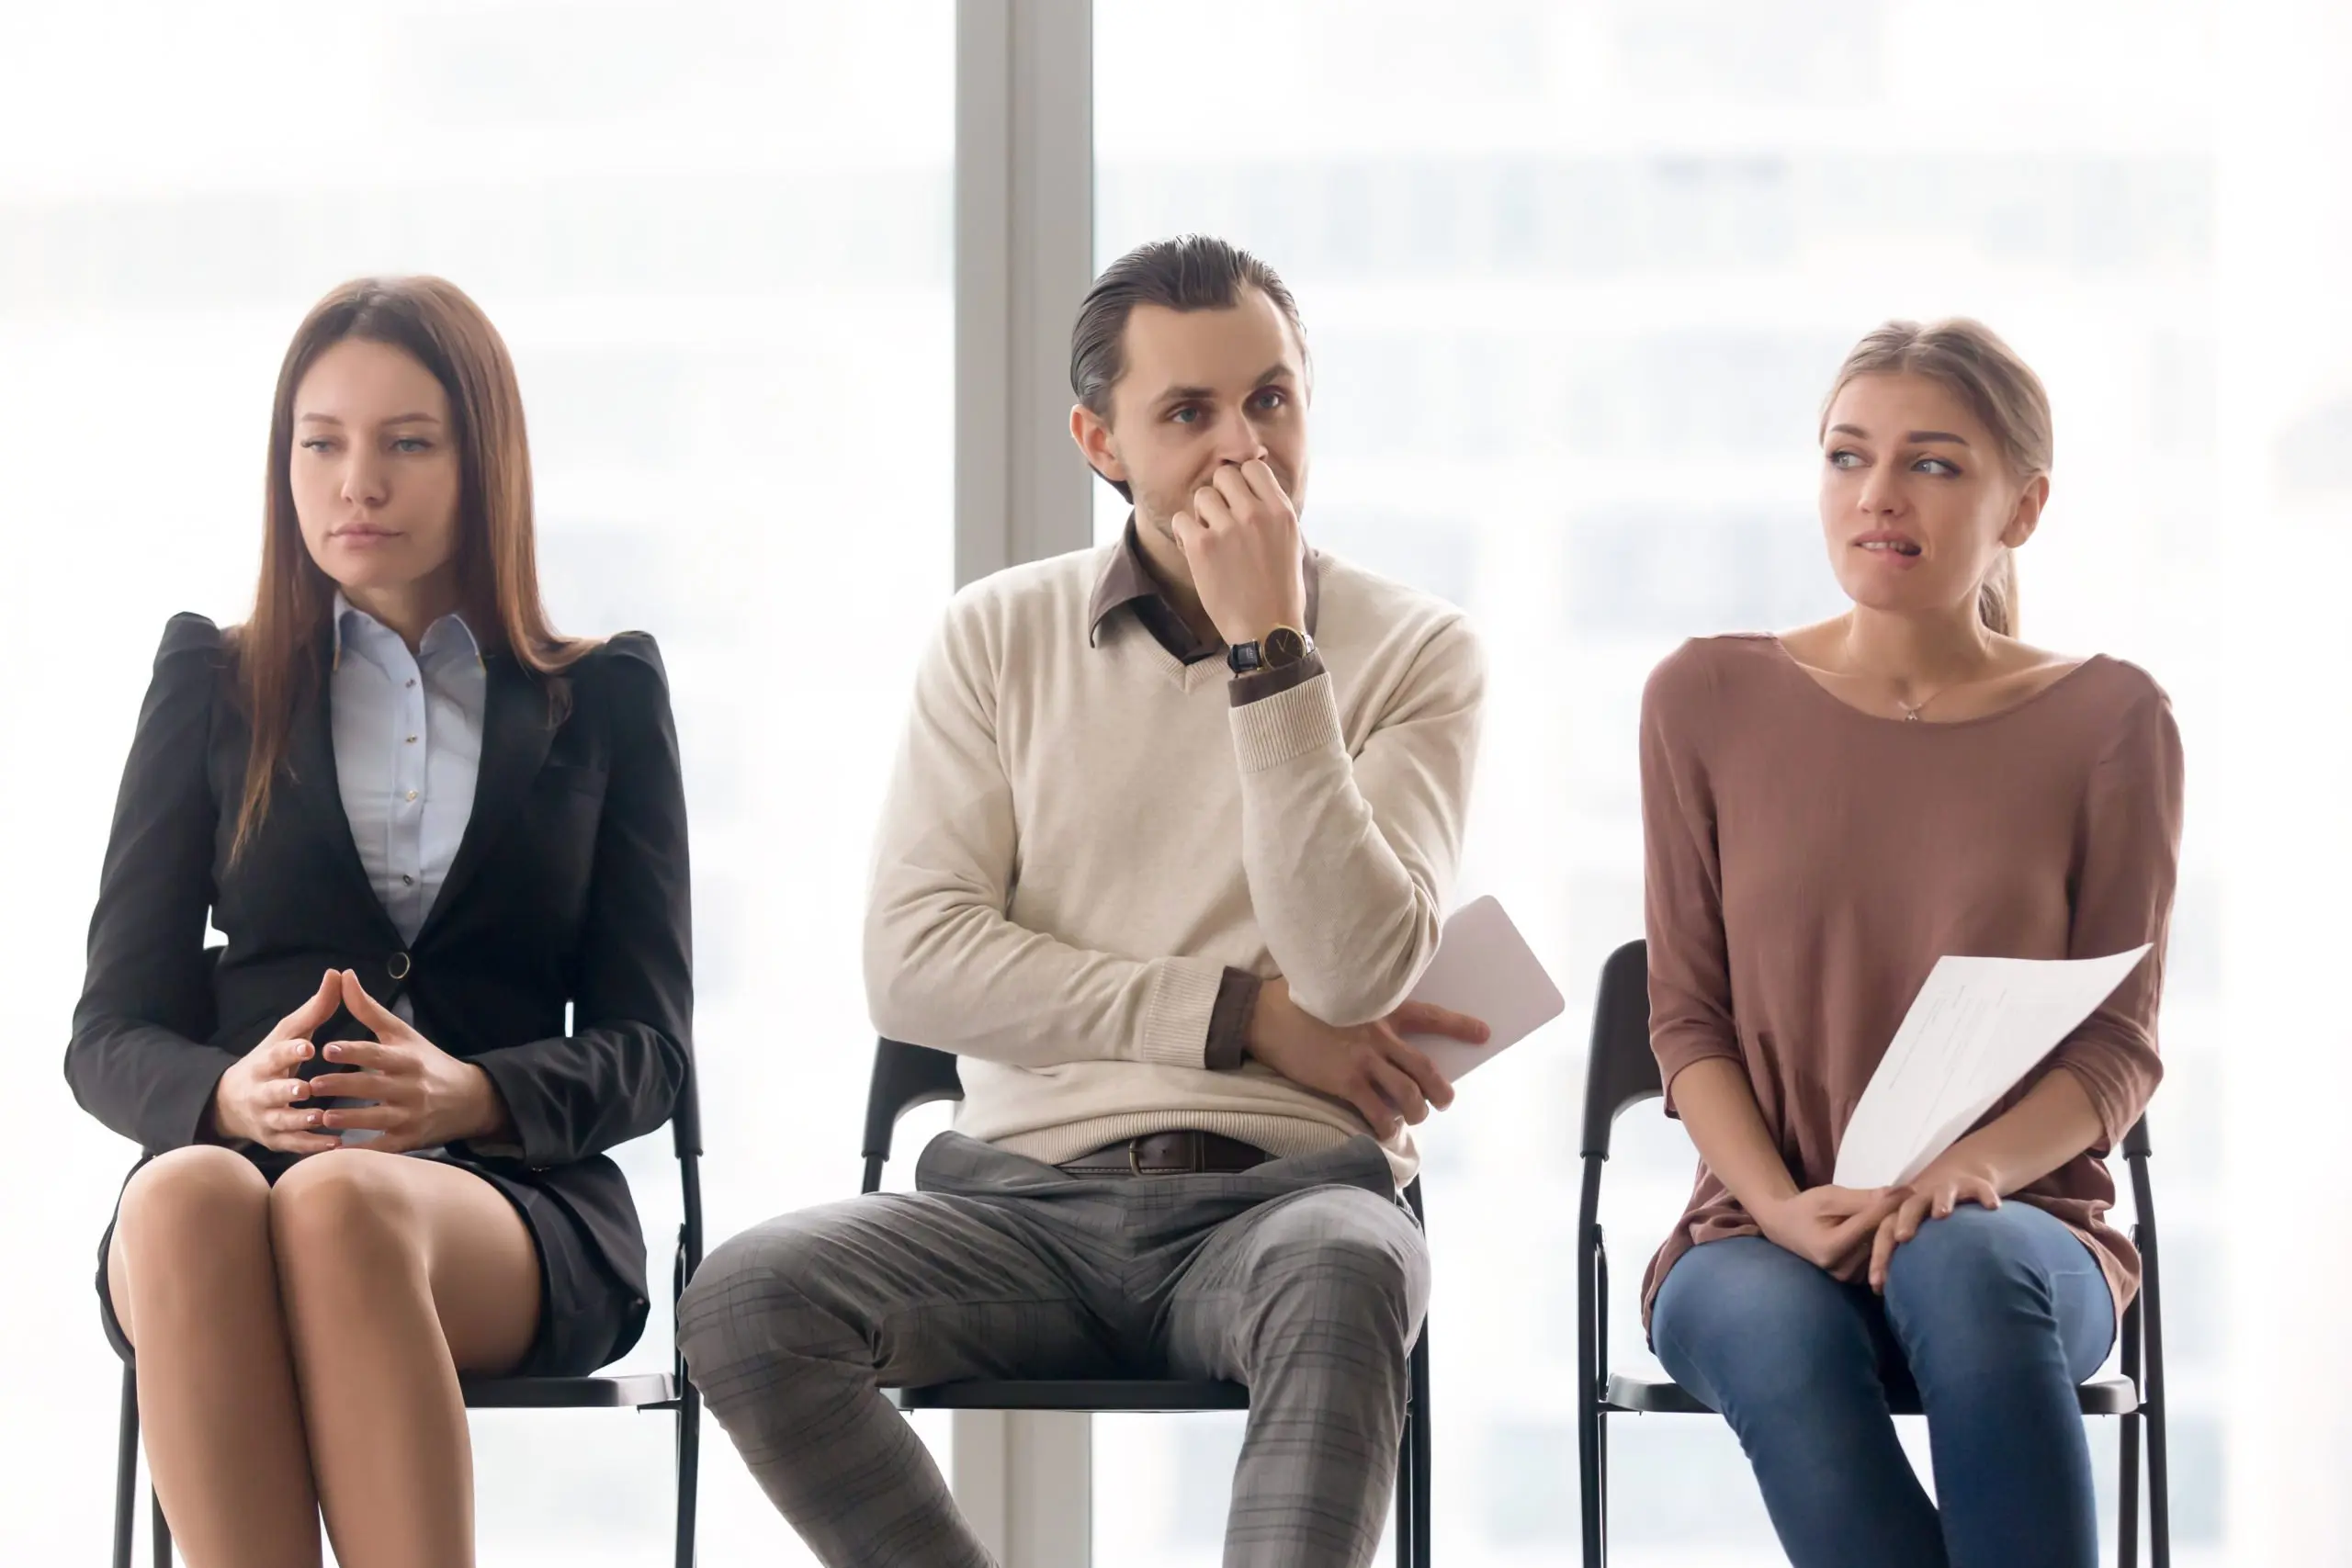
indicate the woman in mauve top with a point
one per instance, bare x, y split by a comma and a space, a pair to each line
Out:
1827, 814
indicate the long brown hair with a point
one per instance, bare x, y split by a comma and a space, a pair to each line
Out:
1969, 359
279, 648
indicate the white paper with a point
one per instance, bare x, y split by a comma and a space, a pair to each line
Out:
1977, 1027
1485, 968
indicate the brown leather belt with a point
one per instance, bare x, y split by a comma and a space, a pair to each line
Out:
1180, 1152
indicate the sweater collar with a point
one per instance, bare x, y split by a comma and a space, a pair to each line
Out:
1128, 579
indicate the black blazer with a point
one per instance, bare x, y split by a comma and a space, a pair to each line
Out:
570, 886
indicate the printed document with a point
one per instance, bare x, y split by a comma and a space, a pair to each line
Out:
1977, 1027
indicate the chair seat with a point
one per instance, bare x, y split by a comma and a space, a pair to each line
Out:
637, 1391
1090, 1394
2101, 1396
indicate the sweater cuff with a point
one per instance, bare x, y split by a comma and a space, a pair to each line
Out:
1275, 729
1236, 999
1176, 1018
1261, 684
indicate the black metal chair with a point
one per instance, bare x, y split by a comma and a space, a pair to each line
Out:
634, 1390
1621, 1072
907, 1075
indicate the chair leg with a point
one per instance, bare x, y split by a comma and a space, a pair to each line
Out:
1406, 1510
1424, 1458
2159, 1490
1600, 1447
125, 1469
1588, 1480
1592, 1375
1414, 1452
2133, 1342
689, 1469
2127, 1493
163, 1528
1404, 1495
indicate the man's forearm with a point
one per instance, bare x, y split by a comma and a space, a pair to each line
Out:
1349, 923
1351, 839
966, 979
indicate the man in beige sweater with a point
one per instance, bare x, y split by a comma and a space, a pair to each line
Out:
1166, 850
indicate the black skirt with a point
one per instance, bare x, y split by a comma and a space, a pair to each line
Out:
587, 1319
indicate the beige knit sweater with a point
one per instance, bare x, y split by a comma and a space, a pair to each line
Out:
1080, 836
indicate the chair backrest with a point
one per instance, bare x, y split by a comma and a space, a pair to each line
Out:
904, 1077
686, 1115
685, 1139
1620, 1069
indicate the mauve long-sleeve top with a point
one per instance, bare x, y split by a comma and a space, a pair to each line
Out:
1809, 862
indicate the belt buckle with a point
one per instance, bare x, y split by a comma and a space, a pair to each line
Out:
1199, 1153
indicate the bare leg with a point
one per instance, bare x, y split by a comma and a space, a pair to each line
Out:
398, 1274
191, 1277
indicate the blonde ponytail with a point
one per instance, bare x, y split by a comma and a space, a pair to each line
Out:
1997, 596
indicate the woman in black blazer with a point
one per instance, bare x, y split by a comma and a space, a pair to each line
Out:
425, 825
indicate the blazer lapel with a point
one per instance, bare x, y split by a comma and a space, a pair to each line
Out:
516, 733
316, 797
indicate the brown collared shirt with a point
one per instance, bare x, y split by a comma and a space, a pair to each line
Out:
1128, 583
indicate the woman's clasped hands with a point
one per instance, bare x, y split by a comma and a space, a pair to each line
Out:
421, 1096
1852, 1233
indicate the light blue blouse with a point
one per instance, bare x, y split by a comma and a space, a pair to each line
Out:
407, 751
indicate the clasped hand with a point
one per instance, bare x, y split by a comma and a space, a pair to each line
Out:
1934, 1193
423, 1097
1851, 1232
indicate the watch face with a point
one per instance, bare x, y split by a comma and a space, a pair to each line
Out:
1284, 646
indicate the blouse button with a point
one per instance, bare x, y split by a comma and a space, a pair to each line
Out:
407, 881
398, 967
411, 794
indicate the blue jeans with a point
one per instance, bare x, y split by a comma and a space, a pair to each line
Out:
1994, 1316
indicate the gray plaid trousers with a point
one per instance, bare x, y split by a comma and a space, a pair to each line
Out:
1304, 1280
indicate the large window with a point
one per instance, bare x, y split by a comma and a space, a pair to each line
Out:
717, 237
1575, 277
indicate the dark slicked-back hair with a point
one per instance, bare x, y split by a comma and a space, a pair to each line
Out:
1191, 272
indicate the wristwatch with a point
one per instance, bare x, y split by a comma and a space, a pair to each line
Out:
1282, 645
